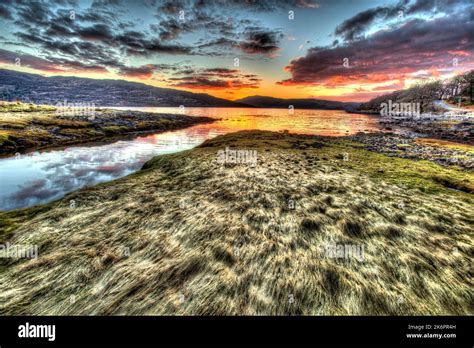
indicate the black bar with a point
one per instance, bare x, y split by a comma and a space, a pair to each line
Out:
194, 331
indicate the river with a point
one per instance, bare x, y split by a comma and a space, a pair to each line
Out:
43, 176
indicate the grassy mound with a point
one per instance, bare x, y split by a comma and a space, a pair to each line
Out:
189, 235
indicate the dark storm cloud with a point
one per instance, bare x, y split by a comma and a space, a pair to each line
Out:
220, 42
99, 15
254, 41
29, 14
258, 41
389, 54
97, 32
224, 33
147, 48
5, 13
173, 7
354, 27
142, 72
223, 72
214, 78
105, 3
170, 29
217, 27
95, 36
67, 65
98, 35
421, 6
8, 57
64, 2
50, 45
446, 6
172, 68
56, 29
49, 64
196, 82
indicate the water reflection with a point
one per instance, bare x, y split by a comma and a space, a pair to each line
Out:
322, 122
40, 177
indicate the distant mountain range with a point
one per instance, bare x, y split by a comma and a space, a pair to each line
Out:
51, 90
38, 89
270, 102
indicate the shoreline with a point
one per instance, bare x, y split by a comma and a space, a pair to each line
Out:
440, 151
39, 128
441, 126
102, 141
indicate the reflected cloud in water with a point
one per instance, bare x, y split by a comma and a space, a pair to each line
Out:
41, 177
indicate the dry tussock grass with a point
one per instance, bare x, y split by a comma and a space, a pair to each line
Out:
207, 239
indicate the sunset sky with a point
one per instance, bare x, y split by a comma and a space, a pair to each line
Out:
285, 49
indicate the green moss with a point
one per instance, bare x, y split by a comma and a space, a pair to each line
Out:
78, 132
164, 123
23, 107
5, 140
446, 144
33, 138
425, 176
402, 146
422, 175
10, 221
13, 124
113, 130
59, 122
144, 125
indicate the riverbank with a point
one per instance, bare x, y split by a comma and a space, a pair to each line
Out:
198, 233
445, 126
444, 122
26, 127
442, 152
